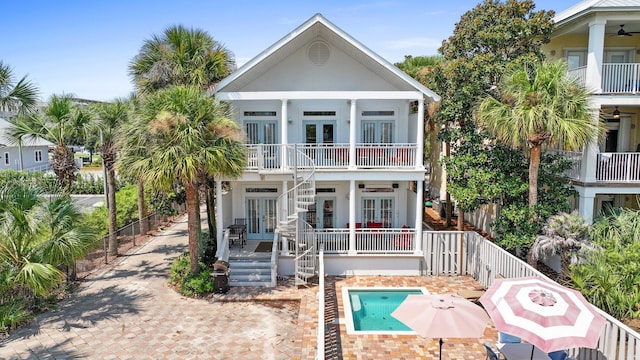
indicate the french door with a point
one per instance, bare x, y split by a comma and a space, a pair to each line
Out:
377, 131
378, 210
321, 215
318, 134
265, 133
261, 217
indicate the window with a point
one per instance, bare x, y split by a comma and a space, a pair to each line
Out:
576, 58
319, 113
6, 159
260, 113
38, 155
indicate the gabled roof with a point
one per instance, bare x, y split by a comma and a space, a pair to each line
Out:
590, 6
7, 141
319, 25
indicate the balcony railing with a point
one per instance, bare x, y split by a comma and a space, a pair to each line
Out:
368, 241
618, 167
616, 78
575, 158
335, 156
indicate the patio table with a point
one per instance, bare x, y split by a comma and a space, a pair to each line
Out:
519, 351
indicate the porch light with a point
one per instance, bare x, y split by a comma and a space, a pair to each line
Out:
616, 114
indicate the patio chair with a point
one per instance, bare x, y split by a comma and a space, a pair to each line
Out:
558, 355
505, 338
237, 232
491, 355
240, 221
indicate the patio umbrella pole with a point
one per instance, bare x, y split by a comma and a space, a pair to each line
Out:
441, 348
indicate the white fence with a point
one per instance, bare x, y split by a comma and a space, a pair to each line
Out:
484, 261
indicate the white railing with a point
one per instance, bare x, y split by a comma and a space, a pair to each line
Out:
618, 167
575, 157
620, 78
485, 261
333, 156
41, 168
368, 241
579, 73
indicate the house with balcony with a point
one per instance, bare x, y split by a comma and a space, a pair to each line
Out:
600, 41
335, 139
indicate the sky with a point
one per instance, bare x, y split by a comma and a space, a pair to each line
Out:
83, 47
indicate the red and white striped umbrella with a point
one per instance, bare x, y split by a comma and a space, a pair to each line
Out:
543, 313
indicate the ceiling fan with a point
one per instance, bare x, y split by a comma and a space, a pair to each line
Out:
615, 114
623, 32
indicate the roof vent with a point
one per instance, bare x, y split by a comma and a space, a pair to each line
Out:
318, 53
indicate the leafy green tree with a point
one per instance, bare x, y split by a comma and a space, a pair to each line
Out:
180, 56
108, 118
539, 104
189, 136
60, 121
485, 41
16, 97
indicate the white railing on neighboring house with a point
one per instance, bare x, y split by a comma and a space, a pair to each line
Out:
484, 260
334, 156
42, 168
618, 167
575, 157
579, 73
620, 78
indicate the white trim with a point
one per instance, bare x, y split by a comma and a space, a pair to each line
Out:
320, 95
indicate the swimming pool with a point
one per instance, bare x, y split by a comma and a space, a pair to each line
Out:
368, 310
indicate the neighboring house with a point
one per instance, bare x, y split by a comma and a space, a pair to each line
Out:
600, 40
335, 135
30, 156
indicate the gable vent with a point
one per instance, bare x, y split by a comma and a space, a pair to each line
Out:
318, 53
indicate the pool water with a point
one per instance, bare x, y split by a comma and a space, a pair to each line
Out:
371, 309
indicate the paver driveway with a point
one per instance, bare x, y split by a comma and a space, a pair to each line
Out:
128, 312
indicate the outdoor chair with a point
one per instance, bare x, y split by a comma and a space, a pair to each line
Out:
558, 355
491, 355
237, 232
505, 338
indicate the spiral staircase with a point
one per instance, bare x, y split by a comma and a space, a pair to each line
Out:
291, 227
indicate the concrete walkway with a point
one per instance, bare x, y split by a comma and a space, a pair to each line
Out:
128, 312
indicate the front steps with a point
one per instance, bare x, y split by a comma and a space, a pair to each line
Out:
249, 271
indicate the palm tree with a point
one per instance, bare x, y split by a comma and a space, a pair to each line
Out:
565, 235
60, 122
20, 97
189, 136
108, 119
180, 56
539, 104
38, 234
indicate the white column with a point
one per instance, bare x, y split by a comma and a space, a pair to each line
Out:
420, 136
590, 155
352, 134
595, 55
586, 204
284, 126
419, 211
284, 211
624, 135
352, 217
219, 222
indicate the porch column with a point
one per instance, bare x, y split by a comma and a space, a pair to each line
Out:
586, 204
625, 131
284, 212
595, 55
420, 136
219, 220
284, 124
417, 250
590, 155
352, 217
352, 135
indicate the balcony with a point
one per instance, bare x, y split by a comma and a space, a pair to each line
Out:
616, 78
368, 241
334, 156
610, 167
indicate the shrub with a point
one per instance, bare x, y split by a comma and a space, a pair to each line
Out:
127, 205
12, 315
189, 284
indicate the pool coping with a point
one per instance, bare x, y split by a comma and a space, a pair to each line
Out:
347, 320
